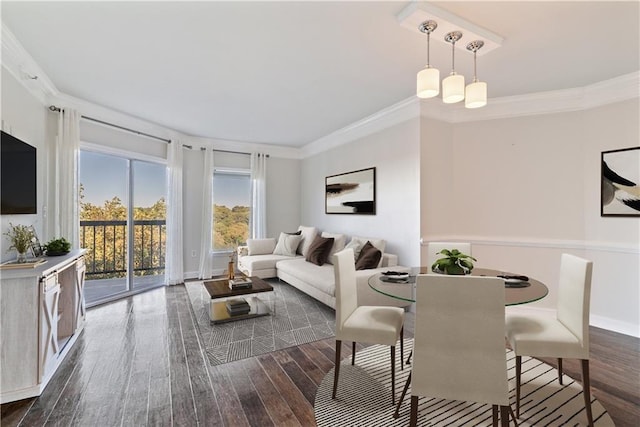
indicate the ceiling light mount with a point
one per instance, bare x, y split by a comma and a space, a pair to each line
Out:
453, 36
428, 27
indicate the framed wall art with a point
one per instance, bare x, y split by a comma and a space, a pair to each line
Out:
620, 182
351, 193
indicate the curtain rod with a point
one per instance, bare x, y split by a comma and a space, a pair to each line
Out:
168, 141
57, 109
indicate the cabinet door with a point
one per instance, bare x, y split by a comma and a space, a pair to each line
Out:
49, 348
81, 268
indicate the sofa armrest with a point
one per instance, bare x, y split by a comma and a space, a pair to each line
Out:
389, 260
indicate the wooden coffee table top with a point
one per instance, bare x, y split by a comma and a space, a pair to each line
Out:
219, 288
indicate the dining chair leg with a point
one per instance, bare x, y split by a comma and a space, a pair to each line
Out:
560, 370
494, 411
518, 372
409, 358
393, 374
396, 414
402, 348
586, 390
353, 353
504, 416
336, 370
413, 419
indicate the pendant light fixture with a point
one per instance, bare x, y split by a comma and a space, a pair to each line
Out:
476, 91
453, 86
428, 80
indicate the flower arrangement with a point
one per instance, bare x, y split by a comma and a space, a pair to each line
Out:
20, 237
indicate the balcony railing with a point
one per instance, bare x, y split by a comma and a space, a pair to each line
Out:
106, 244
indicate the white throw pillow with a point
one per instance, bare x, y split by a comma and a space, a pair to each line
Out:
357, 246
287, 244
308, 236
379, 244
338, 244
261, 246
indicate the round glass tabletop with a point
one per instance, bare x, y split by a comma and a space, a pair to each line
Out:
403, 289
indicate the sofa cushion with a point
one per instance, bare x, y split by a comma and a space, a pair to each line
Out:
338, 244
287, 244
356, 245
261, 246
369, 257
262, 262
380, 244
319, 250
308, 235
320, 277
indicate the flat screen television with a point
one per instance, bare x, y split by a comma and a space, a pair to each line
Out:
18, 192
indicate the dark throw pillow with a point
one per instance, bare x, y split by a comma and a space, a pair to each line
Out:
319, 250
369, 257
294, 233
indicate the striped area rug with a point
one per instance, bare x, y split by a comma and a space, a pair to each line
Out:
364, 397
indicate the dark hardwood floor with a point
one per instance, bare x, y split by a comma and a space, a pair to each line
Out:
139, 362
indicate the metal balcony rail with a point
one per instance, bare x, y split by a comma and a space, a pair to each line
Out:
106, 244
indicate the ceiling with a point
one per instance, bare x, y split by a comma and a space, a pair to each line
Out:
288, 73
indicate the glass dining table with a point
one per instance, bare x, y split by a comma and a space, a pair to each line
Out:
516, 292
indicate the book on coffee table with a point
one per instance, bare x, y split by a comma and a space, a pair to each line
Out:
240, 283
238, 306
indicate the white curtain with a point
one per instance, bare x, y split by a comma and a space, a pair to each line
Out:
174, 258
206, 227
258, 196
65, 213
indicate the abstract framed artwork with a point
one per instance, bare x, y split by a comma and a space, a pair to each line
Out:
351, 193
620, 182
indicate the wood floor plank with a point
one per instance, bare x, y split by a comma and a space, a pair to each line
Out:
230, 406
306, 365
143, 355
298, 402
275, 404
249, 397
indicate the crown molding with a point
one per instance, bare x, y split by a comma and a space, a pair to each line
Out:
385, 118
17, 61
610, 91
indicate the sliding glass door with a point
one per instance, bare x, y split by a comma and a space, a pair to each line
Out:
122, 224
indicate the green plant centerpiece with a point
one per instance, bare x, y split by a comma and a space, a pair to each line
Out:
20, 237
453, 262
57, 247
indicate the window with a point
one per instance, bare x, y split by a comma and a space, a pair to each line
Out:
231, 208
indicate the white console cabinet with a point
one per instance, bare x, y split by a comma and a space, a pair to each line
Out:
42, 313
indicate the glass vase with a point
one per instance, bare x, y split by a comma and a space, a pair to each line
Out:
22, 257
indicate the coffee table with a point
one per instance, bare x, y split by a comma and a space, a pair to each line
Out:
218, 289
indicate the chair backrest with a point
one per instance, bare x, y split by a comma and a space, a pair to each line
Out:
459, 347
574, 296
434, 247
346, 290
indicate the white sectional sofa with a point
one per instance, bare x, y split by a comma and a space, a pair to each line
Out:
318, 281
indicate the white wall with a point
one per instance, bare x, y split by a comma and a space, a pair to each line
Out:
24, 117
395, 154
524, 190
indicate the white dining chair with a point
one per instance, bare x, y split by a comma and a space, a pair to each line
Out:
365, 324
563, 335
434, 247
459, 348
